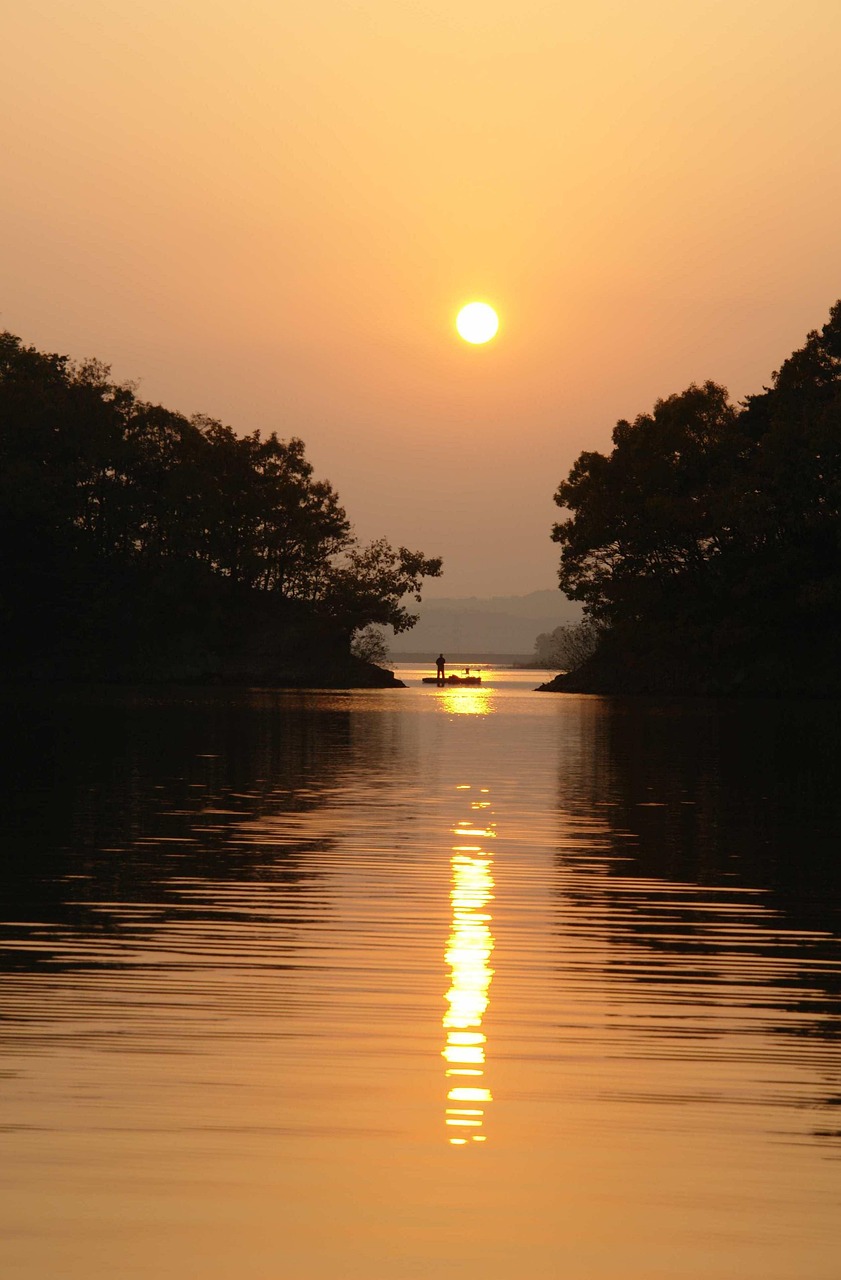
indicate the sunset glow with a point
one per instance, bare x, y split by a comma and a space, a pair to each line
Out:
280, 229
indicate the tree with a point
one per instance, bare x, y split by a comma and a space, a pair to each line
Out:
369, 583
124, 516
567, 647
370, 644
711, 534
655, 509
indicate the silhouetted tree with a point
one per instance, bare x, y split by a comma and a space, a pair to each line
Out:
127, 527
370, 643
709, 539
567, 647
369, 584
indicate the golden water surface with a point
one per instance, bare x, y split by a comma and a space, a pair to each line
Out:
460, 983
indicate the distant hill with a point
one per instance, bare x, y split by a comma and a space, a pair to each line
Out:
497, 624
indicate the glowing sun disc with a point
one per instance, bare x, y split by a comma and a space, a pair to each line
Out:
477, 322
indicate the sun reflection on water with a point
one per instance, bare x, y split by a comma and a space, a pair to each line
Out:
461, 701
469, 948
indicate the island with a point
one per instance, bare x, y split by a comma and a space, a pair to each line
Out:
144, 546
706, 546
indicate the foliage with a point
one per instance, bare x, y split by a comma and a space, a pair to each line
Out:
116, 507
370, 644
369, 583
711, 533
567, 647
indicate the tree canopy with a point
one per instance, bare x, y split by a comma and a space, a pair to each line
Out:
709, 538
109, 502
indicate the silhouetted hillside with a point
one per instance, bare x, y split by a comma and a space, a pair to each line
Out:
498, 624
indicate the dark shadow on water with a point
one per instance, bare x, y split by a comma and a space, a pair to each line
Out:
112, 795
721, 869
724, 793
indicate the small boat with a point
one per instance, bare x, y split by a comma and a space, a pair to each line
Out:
473, 680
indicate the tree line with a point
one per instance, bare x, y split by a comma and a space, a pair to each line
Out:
706, 546
128, 525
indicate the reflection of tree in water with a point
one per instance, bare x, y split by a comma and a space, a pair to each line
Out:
723, 793
720, 854
117, 799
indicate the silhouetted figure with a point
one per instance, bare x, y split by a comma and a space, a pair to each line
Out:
440, 662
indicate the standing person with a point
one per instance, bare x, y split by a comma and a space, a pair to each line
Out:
440, 662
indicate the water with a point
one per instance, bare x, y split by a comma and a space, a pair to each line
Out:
471, 983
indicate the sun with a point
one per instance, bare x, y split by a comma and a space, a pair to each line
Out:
477, 322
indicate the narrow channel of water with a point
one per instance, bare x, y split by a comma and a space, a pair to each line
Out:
465, 983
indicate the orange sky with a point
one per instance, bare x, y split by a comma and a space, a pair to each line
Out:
271, 212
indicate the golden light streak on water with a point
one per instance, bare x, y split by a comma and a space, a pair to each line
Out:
461, 701
469, 948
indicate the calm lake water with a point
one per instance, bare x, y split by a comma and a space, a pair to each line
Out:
463, 983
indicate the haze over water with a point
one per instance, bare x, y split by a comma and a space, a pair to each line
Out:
412, 983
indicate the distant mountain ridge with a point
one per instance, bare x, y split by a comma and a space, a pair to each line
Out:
496, 624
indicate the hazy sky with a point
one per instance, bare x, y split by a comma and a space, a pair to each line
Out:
271, 212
